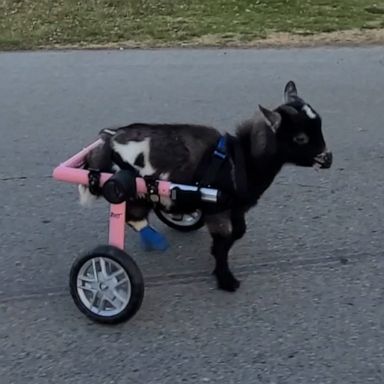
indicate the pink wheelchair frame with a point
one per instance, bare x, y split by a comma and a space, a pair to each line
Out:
70, 172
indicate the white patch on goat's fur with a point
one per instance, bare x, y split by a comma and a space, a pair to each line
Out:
307, 109
164, 176
115, 168
129, 152
86, 197
138, 225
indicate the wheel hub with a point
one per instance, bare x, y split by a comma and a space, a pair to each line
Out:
103, 286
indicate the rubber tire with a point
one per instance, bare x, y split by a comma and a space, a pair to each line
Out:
181, 228
134, 274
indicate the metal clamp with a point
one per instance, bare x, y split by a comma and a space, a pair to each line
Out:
152, 188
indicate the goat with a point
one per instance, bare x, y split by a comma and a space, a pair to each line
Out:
288, 134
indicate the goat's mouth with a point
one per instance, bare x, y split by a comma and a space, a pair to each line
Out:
323, 160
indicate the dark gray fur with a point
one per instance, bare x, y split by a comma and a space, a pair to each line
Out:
268, 142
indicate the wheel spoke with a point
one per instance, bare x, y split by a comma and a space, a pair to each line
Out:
106, 298
87, 279
117, 273
94, 298
103, 267
183, 219
118, 296
122, 281
94, 269
87, 288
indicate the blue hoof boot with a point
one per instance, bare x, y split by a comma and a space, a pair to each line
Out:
152, 240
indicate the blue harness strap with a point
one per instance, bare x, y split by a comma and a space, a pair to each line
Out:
220, 154
221, 148
224, 168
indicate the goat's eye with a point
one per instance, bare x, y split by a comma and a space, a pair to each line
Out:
301, 139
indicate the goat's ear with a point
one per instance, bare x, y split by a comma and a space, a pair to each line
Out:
263, 140
271, 118
290, 92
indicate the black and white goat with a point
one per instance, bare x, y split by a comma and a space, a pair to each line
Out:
291, 133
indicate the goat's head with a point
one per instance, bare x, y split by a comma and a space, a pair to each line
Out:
298, 131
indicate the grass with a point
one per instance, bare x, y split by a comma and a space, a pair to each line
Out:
26, 24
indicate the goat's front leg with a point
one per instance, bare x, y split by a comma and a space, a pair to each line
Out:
225, 228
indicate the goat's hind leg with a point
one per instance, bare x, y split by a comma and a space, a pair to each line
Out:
137, 218
137, 214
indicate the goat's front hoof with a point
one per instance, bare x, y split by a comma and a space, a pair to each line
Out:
227, 282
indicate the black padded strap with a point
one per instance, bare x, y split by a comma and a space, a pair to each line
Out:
116, 158
226, 163
94, 181
241, 184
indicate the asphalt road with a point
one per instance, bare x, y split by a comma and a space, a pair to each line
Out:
310, 308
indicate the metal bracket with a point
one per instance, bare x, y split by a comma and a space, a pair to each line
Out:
152, 189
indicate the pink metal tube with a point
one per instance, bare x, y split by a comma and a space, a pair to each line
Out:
76, 160
70, 171
117, 225
80, 176
76, 175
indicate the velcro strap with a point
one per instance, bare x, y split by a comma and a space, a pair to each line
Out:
116, 158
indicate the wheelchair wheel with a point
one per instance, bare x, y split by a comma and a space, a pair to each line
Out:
183, 222
106, 285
